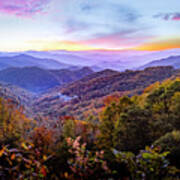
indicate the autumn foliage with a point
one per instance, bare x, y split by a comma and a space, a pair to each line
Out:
133, 137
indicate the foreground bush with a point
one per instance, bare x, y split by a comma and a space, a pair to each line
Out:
29, 163
23, 163
149, 164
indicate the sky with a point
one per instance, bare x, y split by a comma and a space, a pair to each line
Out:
89, 25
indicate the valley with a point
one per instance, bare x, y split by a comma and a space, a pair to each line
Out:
89, 90
51, 104
79, 91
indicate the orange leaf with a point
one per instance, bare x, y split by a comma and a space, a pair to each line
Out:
2, 151
13, 156
66, 175
43, 171
44, 157
24, 146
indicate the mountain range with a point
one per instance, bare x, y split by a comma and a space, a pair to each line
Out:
23, 60
88, 93
170, 61
53, 87
37, 80
119, 60
107, 82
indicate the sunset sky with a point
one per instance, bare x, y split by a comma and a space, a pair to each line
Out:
89, 24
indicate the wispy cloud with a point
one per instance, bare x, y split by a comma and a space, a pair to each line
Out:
168, 16
100, 16
22, 7
124, 39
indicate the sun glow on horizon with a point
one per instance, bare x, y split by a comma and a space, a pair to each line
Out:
75, 46
89, 25
165, 44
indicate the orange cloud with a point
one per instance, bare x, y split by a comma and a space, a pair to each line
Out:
160, 45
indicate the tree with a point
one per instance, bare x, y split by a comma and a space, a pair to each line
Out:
14, 125
170, 142
106, 128
175, 110
109, 120
132, 130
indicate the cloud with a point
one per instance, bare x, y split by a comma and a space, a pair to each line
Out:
74, 26
124, 39
92, 17
22, 7
169, 16
103, 24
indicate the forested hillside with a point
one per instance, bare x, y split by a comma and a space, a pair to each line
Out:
15, 94
88, 94
134, 137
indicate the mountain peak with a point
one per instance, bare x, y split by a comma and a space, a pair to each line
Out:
23, 56
173, 61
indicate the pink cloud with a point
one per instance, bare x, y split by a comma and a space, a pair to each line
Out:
176, 17
117, 40
169, 16
22, 7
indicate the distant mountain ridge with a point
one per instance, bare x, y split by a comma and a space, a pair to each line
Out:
67, 76
119, 60
170, 61
24, 60
37, 80
32, 79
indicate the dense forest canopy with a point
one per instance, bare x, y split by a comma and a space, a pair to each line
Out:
134, 138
